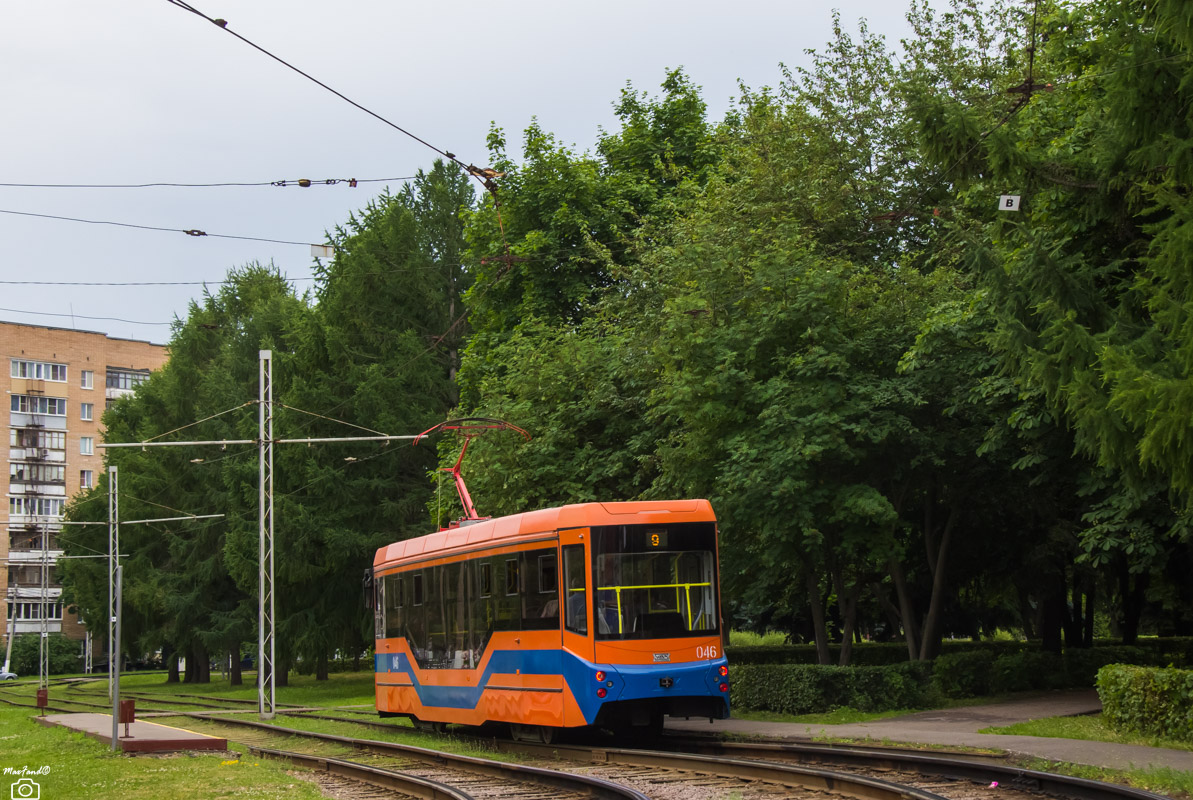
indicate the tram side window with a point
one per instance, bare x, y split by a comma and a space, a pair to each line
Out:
485, 578
379, 631
391, 600
540, 599
437, 616
457, 652
505, 610
698, 573
575, 586
415, 615
512, 583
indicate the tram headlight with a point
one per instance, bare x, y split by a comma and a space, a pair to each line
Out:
724, 670
600, 676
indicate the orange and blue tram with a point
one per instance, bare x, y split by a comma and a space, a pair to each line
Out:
594, 614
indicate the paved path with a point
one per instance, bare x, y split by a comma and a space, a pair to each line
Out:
960, 726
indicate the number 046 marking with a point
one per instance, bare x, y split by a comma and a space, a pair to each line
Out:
706, 652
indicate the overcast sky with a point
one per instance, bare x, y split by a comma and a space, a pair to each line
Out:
141, 91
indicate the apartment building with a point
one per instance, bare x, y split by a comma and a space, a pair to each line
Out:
58, 382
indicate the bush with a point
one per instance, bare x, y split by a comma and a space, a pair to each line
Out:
64, 654
1030, 669
1147, 700
873, 654
965, 674
812, 688
1083, 664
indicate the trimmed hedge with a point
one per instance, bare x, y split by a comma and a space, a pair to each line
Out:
1147, 700
786, 679
869, 654
963, 674
1031, 669
1083, 664
812, 688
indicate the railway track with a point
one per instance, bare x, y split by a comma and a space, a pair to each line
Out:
665, 776
674, 767
956, 776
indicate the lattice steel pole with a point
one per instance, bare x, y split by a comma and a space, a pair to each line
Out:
118, 577
113, 555
266, 651
43, 651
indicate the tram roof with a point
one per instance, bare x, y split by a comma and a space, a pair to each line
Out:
531, 524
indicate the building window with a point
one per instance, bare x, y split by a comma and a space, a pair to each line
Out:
86, 411
86, 445
36, 506
39, 370
86, 479
35, 404
88, 379
36, 473
32, 611
126, 378
46, 440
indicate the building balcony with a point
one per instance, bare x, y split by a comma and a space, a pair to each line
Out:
24, 486
31, 556
37, 455
18, 419
34, 626
27, 593
25, 520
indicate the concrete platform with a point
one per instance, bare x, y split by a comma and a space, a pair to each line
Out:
144, 737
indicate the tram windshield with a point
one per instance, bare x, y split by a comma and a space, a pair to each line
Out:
655, 581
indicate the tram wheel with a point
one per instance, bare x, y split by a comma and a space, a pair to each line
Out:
538, 734
426, 726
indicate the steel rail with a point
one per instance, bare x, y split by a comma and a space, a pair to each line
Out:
972, 769
375, 776
583, 784
783, 774
857, 786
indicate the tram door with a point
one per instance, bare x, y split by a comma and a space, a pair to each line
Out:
577, 609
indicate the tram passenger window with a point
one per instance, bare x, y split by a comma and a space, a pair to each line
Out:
486, 578
389, 588
547, 582
414, 617
575, 585
512, 583
457, 651
507, 614
481, 608
540, 602
379, 608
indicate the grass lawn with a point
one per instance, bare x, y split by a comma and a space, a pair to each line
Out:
84, 768
1162, 780
1090, 727
838, 716
73, 766
341, 688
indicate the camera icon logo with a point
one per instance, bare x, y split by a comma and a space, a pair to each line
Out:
25, 789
